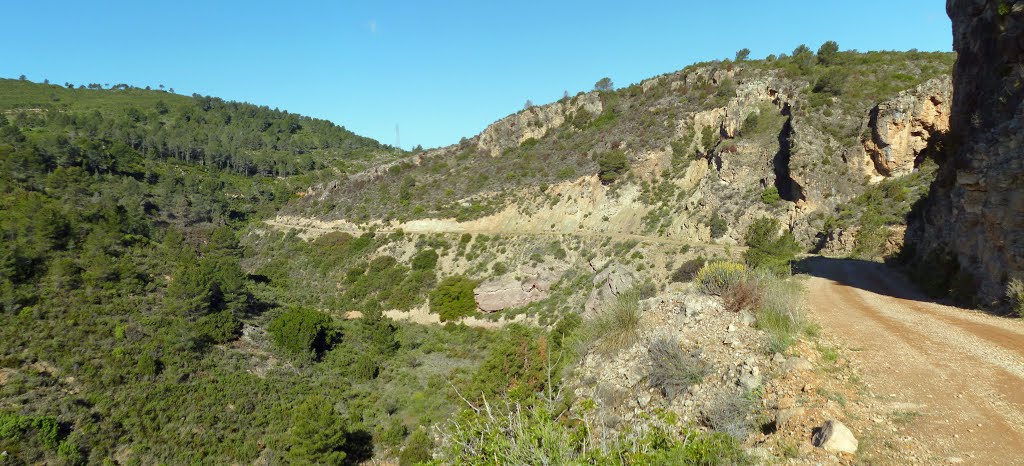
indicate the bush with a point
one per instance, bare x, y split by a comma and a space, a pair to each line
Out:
219, 327
453, 298
517, 434
830, 82
744, 295
617, 325
303, 332
672, 370
688, 270
611, 166
417, 449
780, 315
719, 227
1015, 294
731, 413
318, 435
768, 249
716, 278
771, 196
424, 260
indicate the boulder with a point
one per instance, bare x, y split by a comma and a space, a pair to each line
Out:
835, 437
796, 365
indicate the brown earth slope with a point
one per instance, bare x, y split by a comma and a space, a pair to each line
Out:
960, 372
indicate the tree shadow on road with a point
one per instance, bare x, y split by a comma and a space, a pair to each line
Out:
870, 276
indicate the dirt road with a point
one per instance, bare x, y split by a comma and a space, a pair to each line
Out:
959, 374
312, 228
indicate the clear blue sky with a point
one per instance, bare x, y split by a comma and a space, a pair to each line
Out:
441, 70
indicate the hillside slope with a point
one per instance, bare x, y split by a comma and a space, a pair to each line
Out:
791, 138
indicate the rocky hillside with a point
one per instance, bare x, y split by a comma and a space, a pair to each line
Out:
715, 144
971, 225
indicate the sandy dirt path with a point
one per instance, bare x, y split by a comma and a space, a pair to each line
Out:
314, 227
960, 372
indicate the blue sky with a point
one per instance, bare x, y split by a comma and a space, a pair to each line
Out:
440, 70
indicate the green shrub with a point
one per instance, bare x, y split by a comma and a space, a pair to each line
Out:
303, 332
318, 433
716, 278
771, 196
719, 227
768, 249
219, 327
565, 328
453, 298
830, 82
611, 166
515, 434
1015, 294
424, 260
516, 367
417, 448
673, 370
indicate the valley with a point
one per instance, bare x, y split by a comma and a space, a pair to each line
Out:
806, 258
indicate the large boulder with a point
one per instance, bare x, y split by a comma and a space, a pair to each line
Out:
835, 437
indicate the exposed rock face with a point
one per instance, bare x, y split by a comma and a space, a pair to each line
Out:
507, 292
976, 205
901, 127
609, 283
534, 122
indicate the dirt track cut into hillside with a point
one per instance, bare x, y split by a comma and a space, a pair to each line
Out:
960, 372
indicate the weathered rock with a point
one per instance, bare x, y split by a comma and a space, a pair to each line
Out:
796, 365
840, 242
534, 122
609, 283
506, 293
975, 211
835, 437
901, 127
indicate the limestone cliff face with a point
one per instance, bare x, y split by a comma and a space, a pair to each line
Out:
976, 205
900, 128
534, 123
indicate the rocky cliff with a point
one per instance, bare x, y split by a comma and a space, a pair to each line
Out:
974, 215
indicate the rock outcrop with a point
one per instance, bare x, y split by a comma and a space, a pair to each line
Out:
608, 284
535, 122
975, 210
508, 292
900, 128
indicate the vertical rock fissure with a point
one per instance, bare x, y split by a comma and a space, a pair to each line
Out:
789, 189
